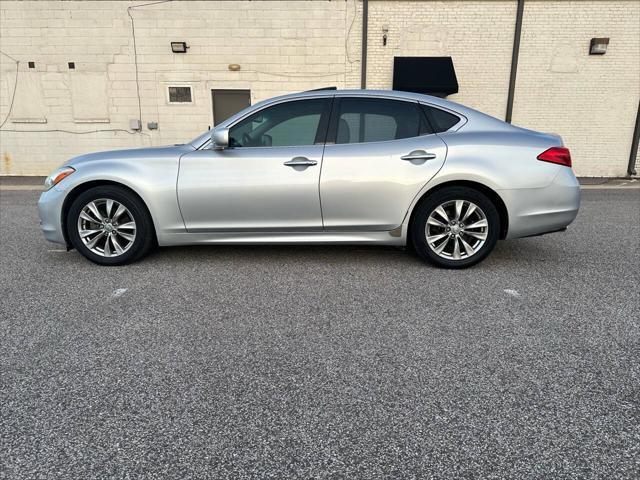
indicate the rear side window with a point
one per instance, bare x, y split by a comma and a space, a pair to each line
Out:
441, 120
361, 120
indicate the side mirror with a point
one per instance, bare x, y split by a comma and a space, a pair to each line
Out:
220, 138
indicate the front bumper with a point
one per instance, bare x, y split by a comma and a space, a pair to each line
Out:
50, 212
534, 211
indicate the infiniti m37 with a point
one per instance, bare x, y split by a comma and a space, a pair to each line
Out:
326, 167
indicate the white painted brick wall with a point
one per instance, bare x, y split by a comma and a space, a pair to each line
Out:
282, 47
593, 107
478, 35
285, 46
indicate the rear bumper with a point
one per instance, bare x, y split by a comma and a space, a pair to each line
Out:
534, 211
50, 212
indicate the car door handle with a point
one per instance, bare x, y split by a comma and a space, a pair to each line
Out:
300, 162
419, 155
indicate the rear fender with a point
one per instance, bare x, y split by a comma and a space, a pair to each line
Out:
496, 160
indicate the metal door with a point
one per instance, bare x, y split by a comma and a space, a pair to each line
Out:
228, 102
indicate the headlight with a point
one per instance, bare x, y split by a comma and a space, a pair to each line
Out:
57, 176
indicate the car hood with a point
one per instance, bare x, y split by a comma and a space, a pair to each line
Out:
133, 154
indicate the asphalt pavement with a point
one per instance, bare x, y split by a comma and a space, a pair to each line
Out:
323, 361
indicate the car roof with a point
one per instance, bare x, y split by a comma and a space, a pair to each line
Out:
369, 93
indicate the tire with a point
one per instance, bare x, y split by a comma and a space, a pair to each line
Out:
441, 249
128, 226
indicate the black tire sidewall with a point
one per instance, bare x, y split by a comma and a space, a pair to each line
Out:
424, 209
144, 227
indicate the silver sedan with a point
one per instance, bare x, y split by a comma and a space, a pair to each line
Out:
329, 167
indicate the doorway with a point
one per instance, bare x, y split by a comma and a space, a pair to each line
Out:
228, 102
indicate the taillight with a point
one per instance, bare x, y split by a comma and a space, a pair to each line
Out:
559, 155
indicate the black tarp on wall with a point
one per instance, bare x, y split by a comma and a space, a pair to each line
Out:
430, 75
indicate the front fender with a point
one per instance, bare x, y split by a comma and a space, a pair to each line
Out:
154, 182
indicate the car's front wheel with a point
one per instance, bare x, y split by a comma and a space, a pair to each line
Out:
455, 227
109, 225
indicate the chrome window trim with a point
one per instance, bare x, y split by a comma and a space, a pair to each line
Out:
346, 94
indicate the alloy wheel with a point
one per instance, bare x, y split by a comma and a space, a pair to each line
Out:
106, 227
456, 229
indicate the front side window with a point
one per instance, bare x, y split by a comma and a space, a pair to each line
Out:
284, 125
377, 120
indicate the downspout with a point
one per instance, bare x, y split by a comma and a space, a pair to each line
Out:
514, 60
365, 27
631, 169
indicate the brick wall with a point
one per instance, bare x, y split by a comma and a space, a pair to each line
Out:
591, 100
478, 35
281, 46
285, 46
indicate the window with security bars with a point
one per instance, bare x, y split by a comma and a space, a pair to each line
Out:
180, 95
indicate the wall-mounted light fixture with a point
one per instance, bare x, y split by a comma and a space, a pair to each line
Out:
598, 46
234, 67
179, 47
385, 30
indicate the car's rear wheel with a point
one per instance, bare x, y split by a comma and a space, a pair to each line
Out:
109, 225
455, 227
